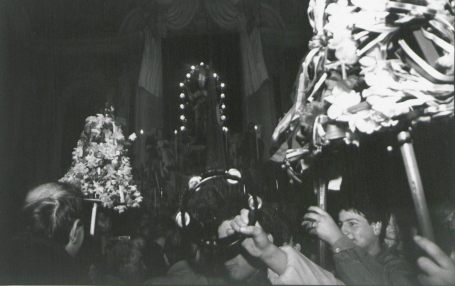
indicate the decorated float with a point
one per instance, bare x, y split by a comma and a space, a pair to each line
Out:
101, 166
373, 66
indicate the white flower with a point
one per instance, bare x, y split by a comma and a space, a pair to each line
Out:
132, 137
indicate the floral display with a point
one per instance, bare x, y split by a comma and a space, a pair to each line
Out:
101, 166
373, 65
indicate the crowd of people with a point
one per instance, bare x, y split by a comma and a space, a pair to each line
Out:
220, 237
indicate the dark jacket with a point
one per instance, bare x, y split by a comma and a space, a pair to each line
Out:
33, 260
354, 266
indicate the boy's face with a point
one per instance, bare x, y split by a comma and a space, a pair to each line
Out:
356, 227
238, 267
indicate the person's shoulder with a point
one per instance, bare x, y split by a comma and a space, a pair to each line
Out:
392, 259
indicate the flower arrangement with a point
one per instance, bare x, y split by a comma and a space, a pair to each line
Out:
100, 164
373, 65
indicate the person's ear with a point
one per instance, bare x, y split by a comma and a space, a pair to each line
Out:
377, 226
77, 232
76, 238
270, 237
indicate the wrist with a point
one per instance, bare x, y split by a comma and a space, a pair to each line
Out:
268, 251
334, 238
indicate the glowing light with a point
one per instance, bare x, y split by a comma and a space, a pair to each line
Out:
222, 95
225, 129
181, 84
222, 85
215, 75
223, 106
182, 106
193, 67
182, 117
389, 148
141, 131
182, 95
234, 173
223, 117
176, 131
256, 128
201, 64
182, 128
188, 75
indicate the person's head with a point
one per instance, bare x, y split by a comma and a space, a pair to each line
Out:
125, 260
363, 221
54, 211
177, 248
160, 228
443, 215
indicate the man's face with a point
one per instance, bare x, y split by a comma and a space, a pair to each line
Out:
238, 267
356, 227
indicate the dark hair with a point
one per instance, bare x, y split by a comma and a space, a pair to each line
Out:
218, 201
213, 203
368, 206
51, 209
177, 248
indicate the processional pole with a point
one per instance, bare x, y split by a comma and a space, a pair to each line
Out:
320, 188
415, 184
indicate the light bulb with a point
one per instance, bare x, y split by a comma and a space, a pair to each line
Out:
215, 75
182, 128
223, 106
182, 117
193, 67
176, 131
222, 85
223, 117
201, 64
222, 95
181, 84
182, 106
182, 95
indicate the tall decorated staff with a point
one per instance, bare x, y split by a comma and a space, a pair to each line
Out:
101, 166
373, 66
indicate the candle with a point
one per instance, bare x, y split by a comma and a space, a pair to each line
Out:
93, 219
256, 131
122, 196
176, 147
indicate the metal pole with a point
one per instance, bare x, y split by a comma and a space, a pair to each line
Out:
415, 184
321, 189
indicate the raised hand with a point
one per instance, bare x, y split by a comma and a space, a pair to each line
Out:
257, 241
440, 269
320, 223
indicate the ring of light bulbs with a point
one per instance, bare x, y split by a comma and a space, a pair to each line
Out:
190, 76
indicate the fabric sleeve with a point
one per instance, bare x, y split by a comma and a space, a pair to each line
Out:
355, 266
301, 270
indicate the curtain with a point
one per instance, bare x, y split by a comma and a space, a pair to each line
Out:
176, 16
229, 16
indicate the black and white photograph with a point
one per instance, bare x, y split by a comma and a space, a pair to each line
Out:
227, 142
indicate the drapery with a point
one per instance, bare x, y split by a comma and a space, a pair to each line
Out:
150, 75
228, 15
176, 16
